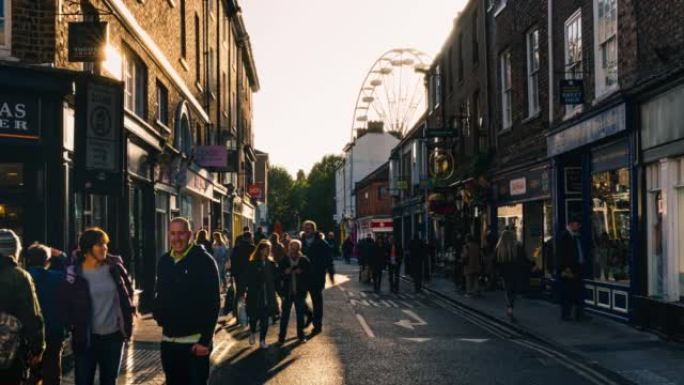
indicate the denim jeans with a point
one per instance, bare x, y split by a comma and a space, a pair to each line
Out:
104, 352
181, 367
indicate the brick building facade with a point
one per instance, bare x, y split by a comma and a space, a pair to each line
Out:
170, 100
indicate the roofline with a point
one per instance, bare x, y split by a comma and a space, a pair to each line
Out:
246, 45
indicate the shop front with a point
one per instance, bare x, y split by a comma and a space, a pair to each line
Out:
375, 226
197, 199
36, 137
522, 203
243, 216
595, 181
661, 299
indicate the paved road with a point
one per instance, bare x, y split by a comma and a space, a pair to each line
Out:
391, 339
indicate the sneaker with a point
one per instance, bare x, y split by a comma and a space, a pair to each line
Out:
263, 344
252, 338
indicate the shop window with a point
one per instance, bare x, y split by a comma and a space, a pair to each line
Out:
162, 221
11, 191
610, 224
680, 238
90, 210
183, 32
511, 218
656, 233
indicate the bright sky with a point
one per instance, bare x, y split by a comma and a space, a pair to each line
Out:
312, 56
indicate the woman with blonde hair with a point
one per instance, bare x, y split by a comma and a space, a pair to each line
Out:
220, 255
510, 260
261, 293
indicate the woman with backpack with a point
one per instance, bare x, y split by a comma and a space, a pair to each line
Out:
98, 309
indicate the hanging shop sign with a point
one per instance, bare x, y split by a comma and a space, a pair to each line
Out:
440, 133
518, 186
211, 157
19, 117
590, 130
571, 91
255, 190
441, 164
87, 41
100, 142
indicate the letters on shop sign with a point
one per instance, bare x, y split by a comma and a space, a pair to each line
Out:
12, 116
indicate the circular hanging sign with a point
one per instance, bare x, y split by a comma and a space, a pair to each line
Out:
441, 164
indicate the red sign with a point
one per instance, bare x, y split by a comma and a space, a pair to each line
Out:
382, 224
254, 190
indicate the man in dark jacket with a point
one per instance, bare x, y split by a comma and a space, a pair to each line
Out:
379, 259
366, 249
347, 249
318, 252
239, 260
295, 273
571, 263
186, 307
18, 299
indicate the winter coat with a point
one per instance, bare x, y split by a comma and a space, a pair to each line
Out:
303, 278
318, 253
366, 248
187, 299
18, 297
347, 247
261, 288
49, 286
568, 254
380, 257
239, 258
77, 308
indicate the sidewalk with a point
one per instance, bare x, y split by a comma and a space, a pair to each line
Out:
641, 357
141, 363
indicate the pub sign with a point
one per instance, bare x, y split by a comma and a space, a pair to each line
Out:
87, 41
19, 117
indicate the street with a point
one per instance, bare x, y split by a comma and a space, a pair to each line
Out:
391, 339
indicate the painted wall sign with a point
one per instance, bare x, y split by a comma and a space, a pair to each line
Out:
600, 126
518, 186
19, 117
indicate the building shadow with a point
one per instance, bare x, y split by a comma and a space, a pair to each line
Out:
254, 366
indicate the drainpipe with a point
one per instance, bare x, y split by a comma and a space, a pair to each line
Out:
549, 31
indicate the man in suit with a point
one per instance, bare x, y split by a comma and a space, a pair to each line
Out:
571, 262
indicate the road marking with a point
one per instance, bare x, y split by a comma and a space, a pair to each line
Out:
416, 339
405, 304
475, 340
373, 303
341, 288
407, 323
365, 326
358, 302
391, 303
362, 294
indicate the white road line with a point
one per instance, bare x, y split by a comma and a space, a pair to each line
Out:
415, 316
373, 303
341, 288
392, 303
365, 326
362, 302
362, 294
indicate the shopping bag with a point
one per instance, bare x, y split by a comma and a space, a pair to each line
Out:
242, 312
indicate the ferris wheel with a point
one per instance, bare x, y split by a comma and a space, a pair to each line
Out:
393, 91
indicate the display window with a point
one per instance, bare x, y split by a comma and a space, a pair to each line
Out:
610, 223
11, 191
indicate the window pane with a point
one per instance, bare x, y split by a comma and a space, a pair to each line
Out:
611, 225
2, 31
680, 194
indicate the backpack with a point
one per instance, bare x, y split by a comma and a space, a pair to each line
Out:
10, 339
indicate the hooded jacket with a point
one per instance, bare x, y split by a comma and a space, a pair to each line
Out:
18, 298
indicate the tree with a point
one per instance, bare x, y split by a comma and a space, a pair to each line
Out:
320, 194
280, 185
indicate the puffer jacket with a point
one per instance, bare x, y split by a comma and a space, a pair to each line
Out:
77, 309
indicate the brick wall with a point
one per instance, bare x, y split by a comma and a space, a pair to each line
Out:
369, 202
33, 30
525, 140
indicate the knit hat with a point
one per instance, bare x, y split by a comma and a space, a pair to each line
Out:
10, 245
